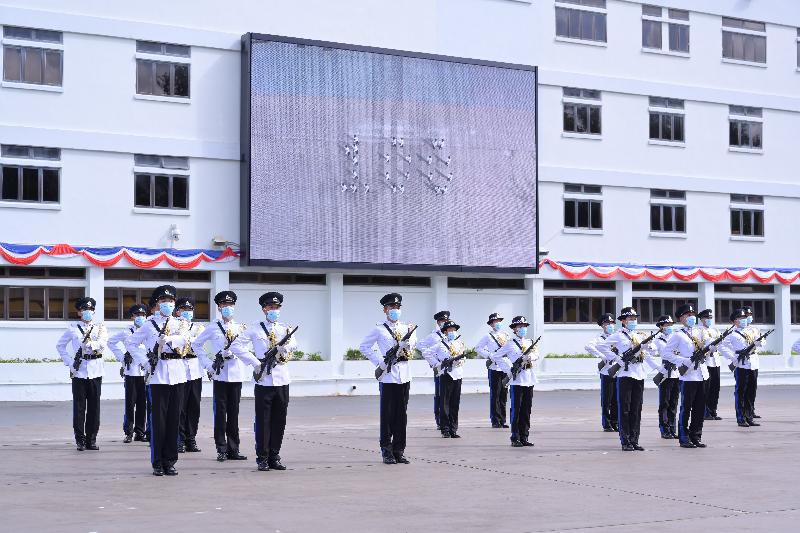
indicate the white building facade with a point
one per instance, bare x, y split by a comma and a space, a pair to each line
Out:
667, 138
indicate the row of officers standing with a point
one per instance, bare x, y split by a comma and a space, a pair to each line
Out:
164, 360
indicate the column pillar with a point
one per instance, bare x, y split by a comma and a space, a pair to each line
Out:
705, 300
95, 288
783, 319
336, 348
439, 286
535, 287
220, 281
624, 294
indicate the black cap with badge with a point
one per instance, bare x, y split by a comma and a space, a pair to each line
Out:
84, 303
686, 309
495, 317
270, 298
605, 317
391, 299
738, 313
184, 303
627, 312
137, 309
225, 297
442, 315
164, 291
519, 320
664, 319
450, 325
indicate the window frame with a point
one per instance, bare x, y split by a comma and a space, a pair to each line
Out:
594, 200
646, 313
586, 100
67, 302
567, 6
667, 22
143, 291
723, 306
25, 48
606, 303
170, 192
653, 108
155, 61
674, 203
40, 184
743, 32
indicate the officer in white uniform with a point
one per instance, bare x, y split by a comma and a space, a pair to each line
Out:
167, 341
608, 387
629, 378
133, 422
193, 390
272, 387
395, 383
744, 367
228, 373
521, 385
669, 386
433, 338
713, 362
498, 393
756, 333
447, 357
85, 361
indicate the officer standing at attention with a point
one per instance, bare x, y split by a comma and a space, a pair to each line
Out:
744, 367
272, 387
709, 334
669, 388
521, 384
629, 378
608, 388
166, 340
133, 422
442, 357
85, 362
395, 382
193, 390
756, 333
431, 340
498, 394
228, 373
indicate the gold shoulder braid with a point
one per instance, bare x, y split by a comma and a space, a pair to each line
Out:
636, 341
100, 331
502, 339
285, 358
457, 348
398, 337
528, 365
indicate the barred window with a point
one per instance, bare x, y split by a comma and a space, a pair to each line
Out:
575, 309
583, 19
37, 64
38, 303
118, 300
650, 309
763, 310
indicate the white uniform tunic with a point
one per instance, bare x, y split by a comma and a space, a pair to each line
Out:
234, 370
659, 343
490, 343
262, 342
591, 349
740, 338
167, 371
96, 343
709, 335
118, 348
679, 350
444, 349
622, 340
193, 368
425, 345
379, 341
511, 351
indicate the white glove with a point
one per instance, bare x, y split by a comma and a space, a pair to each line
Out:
161, 342
283, 350
405, 345
382, 366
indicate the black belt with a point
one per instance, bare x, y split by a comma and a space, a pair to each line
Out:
170, 356
190, 356
93, 356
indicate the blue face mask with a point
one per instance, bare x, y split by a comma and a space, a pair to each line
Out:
522, 331
691, 321
632, 324
166, 308
139, 321
451, 335
669, 330
87, 315
708, 322
394, 315
742, 322
497, 326
227, 311
749, 320
609, 328
273, 314
187, 315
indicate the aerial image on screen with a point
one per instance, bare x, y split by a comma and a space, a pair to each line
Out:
374, 158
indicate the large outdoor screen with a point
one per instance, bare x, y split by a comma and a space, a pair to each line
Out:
372, 158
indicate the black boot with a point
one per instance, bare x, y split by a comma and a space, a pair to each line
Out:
274, 463
191, 446
169, 470
91, 443
221, 456
80, 444
388, 456
400, 458
128, 438
517, 444
236, 456
262, 464
140, 437
158, 470
181, 447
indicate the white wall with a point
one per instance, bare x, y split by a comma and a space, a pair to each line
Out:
470, 308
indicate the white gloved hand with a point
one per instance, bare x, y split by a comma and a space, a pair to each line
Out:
405, 345
283, 350
382, 366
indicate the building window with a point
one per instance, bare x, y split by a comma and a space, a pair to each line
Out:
581, 207
746, 127
277, 278
169, 190
666, 119
744, 288
581, 19
117, 301
650, 309
582, 111
667, 211
763, 310
648, 286
485, 283
167, 77
744, 40
747, 221
655, 25
150, 274
798, 48
34, 182
578, 285
38, 303
42, 272
795, 311
388, 281
39, 64
576, 309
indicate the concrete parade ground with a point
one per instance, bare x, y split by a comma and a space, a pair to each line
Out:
576, 477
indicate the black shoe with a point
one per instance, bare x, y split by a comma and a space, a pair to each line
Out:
638, 448
496, 426
263, 466
687, 445
221, 457
445, 435
674, 435
80, 446
158, 471
388, 459
708, 417
191, 446
698, 444
127, 439
455, 435
236, 456
666, 435
717, 417
609, 430
627, 448
438, 427
181, 448
615, 427
526, 443
92, 446
400, 458
743, 424
753, 423
139, 438
170, 471
275, 464
505, 425
756, 416
516, 444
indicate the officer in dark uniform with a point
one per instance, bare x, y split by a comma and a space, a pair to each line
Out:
193, 390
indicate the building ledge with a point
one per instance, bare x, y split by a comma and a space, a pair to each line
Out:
32, 87
658, 51
156, 98
743, 63
160, 211
30, 205
581, 41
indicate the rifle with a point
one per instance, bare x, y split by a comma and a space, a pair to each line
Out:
219, 360
126, 364
699, 356
516, 366
76, 363
447, 364
629, 354
602, 364
489, 361
745, 353
270, 360
391, 356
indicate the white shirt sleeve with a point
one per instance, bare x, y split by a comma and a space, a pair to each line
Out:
61, 347
199, 350
117, 344
240, 347
369, 349
591, 348
500, 357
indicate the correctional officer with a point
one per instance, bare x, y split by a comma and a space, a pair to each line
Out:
709, 334
432, 339
395, 382
447, 357
498, 394
228, 372
756, 333
85, 363
744, 366
133, 422
193, 390
521, 384
166, 339
629, 378
608, 388
669, 387
272, 385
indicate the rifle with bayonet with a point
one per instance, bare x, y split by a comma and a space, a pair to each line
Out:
745, 353
391, 356
516, 366
76, 363
629, 355
447, 364
699, 355
270, 360
602, 364
219, 360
